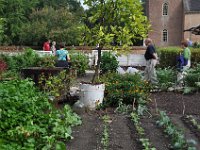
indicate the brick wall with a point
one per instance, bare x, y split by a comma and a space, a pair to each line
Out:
173, 22
191, 20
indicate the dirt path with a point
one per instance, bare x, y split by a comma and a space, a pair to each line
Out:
88, 135
121, 132
156, 136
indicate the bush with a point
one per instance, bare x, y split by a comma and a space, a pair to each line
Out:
108, 63
79, 62
166, 77
192, 78
167, 56
28, 120
126, 89
16, 62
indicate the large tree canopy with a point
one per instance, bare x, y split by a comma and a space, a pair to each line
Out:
119, 21
18, 16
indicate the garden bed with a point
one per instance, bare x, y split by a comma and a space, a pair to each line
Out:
122, 133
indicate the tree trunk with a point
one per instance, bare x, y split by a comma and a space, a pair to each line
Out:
97, 67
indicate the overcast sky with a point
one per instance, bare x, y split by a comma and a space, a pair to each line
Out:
85, 7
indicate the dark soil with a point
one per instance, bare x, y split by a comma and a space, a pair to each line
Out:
176, 103
122, 134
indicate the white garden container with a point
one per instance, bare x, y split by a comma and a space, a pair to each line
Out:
91, 95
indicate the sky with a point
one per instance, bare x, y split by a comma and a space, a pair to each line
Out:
85, 7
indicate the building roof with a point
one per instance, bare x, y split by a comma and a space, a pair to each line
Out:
191, 6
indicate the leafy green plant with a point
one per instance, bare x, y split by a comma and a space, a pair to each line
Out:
108, 63
128, 89
46, 61
193, 77
79, 62
177, 137
26, 59
123, 108
3, 67
166, 78
193, 121
105, 135
29, 121
56, 86
122, 24
145, 141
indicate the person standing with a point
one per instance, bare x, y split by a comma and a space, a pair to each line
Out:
186, 62
53, 48
151, 61
46, 46
63, 57
186, 55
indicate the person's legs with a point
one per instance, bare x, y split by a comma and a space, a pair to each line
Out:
152, 71
147, 70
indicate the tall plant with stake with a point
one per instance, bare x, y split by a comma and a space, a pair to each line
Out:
113, 21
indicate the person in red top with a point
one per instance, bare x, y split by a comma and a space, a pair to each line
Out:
46, 46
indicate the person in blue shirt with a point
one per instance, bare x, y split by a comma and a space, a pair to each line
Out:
62, 57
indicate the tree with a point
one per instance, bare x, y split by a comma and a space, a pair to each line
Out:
110, 21
59, 25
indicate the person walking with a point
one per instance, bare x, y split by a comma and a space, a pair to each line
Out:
151, 61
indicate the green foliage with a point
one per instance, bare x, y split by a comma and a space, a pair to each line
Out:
109, 21
28, 58
15, 12
167, 56
79, 62
127, 89
196, 45
56, 86
177, 137
145, 141
28, 120
58, 24
121, 20
193, 77
20, 27
166, 77
16, 62
46, 61
105, 135
108, 63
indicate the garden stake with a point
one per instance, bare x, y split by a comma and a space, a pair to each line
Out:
183, 104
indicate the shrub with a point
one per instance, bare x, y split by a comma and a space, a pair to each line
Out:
166, 77
3, 67
79, 62
126, 89
27, 59
28, 120
108, 63
168, 56
193, 77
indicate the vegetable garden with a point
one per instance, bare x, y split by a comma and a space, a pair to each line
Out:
134, 115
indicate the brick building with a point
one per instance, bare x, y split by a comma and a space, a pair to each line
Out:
169, 18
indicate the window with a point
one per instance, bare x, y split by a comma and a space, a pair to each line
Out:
165, 35
165, 9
